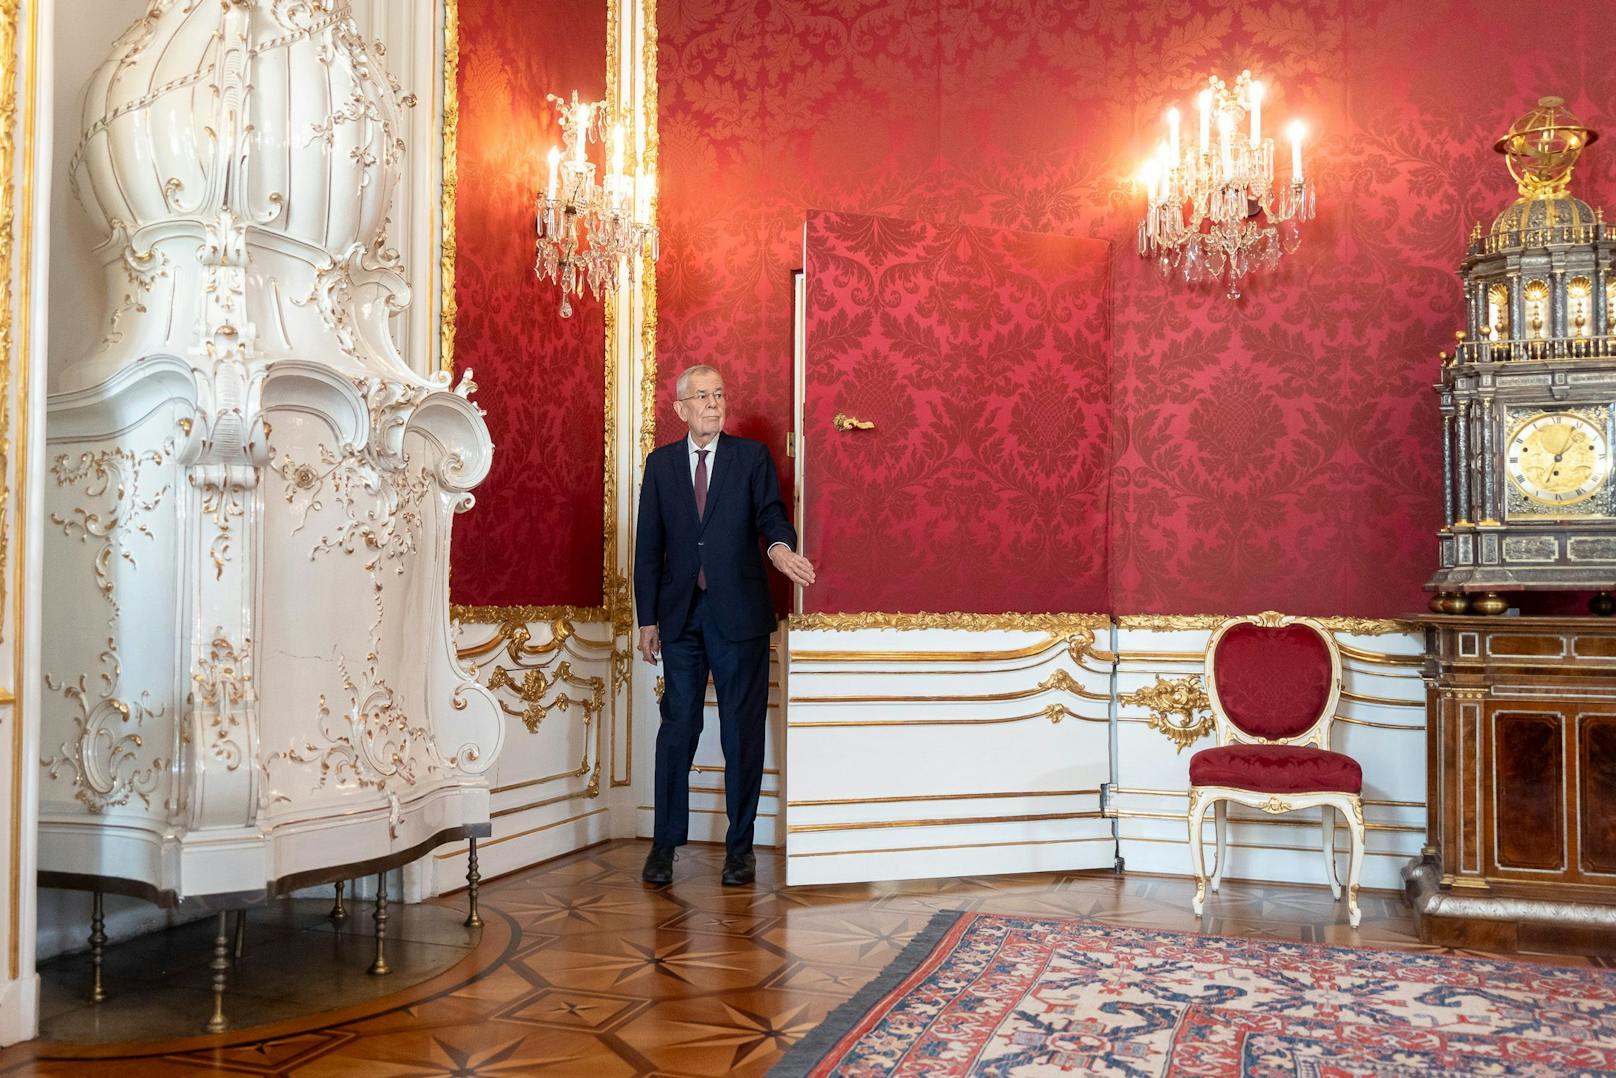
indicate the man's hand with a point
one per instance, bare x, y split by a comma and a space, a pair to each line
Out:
651, 644
792, 564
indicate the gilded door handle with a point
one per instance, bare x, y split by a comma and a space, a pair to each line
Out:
843, 421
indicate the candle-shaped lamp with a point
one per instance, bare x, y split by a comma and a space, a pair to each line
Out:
555, 165
1296, 130
1255, 91
580, 120
1225, 143
1148, 176
1172, 132
1204, 102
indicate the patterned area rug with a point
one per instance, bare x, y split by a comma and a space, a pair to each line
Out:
983, 994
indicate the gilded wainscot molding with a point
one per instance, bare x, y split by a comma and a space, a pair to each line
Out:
536, 683
1178, 708
1173, 623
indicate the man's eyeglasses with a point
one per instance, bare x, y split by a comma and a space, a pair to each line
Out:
716, 396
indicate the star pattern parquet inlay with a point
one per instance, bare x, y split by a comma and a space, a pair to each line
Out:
598, 975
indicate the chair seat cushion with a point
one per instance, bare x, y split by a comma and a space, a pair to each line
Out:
1277, 769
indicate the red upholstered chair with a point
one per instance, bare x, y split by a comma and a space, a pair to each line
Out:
1273, 683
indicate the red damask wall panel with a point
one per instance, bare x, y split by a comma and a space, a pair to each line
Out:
980, 356
535, 535
1278, 452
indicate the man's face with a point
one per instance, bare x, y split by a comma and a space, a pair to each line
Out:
702, 407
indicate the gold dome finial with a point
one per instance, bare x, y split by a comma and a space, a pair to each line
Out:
1542, 147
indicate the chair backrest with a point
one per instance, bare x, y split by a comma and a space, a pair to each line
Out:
1273, 679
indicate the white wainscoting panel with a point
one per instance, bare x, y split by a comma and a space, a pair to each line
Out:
922, 752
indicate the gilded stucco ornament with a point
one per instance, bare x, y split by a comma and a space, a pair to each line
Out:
1178, 708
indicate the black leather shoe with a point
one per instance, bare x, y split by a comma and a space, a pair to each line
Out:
658, 865
739, 871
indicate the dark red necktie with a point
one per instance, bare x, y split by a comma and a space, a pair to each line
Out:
701, 504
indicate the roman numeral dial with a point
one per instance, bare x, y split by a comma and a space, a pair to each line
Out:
1557, 458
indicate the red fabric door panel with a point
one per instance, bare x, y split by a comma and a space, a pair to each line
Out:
981, 356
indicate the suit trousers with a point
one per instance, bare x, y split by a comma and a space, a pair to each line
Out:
740, 672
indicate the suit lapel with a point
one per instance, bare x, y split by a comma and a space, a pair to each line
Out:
721, 469
687, 489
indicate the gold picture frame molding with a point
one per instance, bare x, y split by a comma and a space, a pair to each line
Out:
616, 607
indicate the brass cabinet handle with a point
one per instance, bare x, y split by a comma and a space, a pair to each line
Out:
843, 421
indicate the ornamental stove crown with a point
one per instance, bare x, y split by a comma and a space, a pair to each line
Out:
222, 146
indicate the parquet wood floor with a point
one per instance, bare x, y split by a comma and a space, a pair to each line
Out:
583, 970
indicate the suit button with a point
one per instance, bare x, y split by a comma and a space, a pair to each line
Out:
701, 542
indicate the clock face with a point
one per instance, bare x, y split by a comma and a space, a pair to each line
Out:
1558, 458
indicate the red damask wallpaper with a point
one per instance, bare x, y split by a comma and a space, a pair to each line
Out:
980, 355
1278, 452
535, 535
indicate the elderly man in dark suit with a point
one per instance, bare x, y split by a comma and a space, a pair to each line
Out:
709, 503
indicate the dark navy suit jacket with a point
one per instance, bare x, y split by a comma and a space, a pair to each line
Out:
671, 545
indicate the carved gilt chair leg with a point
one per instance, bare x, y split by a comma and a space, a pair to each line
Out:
339, 912
98, 947
1197, 814
221, 968
1327, 812
1220, 827
1355, 825
380, 968
473, 918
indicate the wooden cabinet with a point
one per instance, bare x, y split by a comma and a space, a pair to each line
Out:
1522, 785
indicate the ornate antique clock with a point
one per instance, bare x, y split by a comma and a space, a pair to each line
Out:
1521, 711
1529, 397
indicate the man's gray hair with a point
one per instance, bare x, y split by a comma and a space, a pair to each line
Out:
682, 388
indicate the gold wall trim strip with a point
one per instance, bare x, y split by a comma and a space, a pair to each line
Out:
648, 276
1059, 681
719, 769
449, 310
23, 224
709, 812
718, 791
1101, 671
1031, 651
881, 825
1380, 658
1195, 622
938, 797
556, 800
1381, 701
485, 843
954, 846
1196, 657
1404, 727
1054, 713
1059, 624
576, 772
498, 615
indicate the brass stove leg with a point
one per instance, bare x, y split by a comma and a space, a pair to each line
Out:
98, 947
221, 967
339, 912
241, 933
380, 968
473, 919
